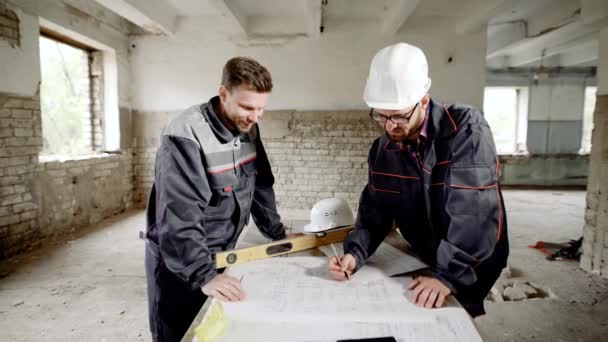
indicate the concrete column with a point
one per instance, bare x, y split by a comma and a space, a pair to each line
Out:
595, 231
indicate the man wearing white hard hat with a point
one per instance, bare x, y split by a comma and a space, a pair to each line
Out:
435, 174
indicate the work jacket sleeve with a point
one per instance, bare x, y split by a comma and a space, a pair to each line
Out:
264, 207
372, 224
182, 193
473, 204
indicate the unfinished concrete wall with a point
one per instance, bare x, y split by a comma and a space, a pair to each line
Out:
325, 73
48, 199
9, 25
555, 116
554, 130
316, 155
21, 142
320, 154
595, 231
558, 170
43, 199
146, 136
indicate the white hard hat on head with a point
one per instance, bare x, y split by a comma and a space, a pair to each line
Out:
398, 77
328, 214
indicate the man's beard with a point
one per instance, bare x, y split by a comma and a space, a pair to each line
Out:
241, 129
234, 122
405, 137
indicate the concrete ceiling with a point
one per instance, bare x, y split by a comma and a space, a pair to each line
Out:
521, 33
546, 33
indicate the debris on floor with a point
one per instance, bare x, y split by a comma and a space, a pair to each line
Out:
507, 288
570, 250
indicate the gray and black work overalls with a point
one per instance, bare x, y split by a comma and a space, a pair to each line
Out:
443, 193
207, 182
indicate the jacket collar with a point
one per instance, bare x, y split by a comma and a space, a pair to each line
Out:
217, 126
438, 122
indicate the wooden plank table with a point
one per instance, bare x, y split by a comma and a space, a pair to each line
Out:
251, 237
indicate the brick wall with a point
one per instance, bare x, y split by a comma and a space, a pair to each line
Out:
315, 155
147, 127
9, 25
595, 230
324, 154
43, 200
319, 155
93, 120
144, 155
76, 193
21, 141
82, 84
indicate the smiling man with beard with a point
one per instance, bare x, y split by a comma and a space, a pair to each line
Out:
435, 174
211, 172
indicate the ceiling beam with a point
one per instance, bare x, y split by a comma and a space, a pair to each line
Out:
153, 16
549, 39
229, 10
501, 35
589, 42
398, 15
580, 55
551, 71
593, 10
477, 15
314, 13
592, 39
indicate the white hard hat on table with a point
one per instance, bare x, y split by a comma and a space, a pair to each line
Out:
328, 214
398, 78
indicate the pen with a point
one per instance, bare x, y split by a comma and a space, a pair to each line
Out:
333, 248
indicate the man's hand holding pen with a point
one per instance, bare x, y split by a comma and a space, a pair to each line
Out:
342, 268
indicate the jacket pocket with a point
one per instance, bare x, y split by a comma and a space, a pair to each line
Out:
470, 189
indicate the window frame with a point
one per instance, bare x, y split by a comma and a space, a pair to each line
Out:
56, 36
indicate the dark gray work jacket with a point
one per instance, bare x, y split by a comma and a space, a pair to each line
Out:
448, 206
207, 182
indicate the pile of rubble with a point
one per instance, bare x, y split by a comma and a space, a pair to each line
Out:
510, 288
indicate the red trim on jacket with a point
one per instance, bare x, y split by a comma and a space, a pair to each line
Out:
384, 190
233, 167
394, 175
498, 199
499, 213
451, 119
473, 187
420, 165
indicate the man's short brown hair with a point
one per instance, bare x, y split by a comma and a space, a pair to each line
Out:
244, 70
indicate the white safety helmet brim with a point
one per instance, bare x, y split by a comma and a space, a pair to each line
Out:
313, 229
413, 98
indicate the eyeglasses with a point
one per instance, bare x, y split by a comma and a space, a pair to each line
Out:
396, 119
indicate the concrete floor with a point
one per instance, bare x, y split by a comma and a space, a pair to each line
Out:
92, 286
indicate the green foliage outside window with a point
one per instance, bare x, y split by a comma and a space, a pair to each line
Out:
64, 98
